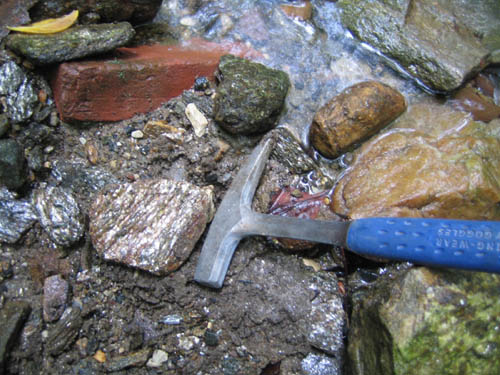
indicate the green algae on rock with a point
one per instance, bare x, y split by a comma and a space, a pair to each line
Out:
76, 42
250, 96
425, 37
427, 322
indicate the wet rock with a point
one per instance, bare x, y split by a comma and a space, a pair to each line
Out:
59, 215
74, 43
12, 317
65, 331
408, 173
152, 225
16, 217
4, 124
439, 43
250, 96
102, 10
19, 89
12, 164
136, 359
317, 364
427, 322
301, 10
471, 100
354, 115
55, 297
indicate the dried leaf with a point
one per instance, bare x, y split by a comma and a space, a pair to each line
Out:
49, 26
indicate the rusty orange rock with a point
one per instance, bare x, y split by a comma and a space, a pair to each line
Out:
354, 115
136, 80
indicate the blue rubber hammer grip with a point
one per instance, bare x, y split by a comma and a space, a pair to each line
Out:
465, 244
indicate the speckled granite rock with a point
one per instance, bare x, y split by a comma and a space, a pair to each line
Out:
250, 96
59, 214
55, 297
76, 42
152, 225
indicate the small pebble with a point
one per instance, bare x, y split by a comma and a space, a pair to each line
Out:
157, 359
48, 149
197, 119
137, 134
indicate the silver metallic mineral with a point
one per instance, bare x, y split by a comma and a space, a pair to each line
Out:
152, 224
59, 215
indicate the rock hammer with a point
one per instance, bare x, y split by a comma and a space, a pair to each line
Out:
464, 244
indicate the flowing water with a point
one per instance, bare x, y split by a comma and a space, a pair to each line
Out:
319, 55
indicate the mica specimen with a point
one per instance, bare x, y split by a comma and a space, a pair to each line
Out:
152, 224
59, 215
16, 217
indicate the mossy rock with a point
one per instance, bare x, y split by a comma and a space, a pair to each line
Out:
428, 322
250, 96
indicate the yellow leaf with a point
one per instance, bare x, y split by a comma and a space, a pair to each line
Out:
49, 26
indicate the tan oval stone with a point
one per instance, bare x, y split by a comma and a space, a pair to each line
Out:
354, 115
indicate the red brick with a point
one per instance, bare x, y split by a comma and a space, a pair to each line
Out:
137, 80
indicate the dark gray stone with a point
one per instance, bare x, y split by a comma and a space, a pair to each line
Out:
20, 93
4, 124
59, 215
65, 332
136, 359
76, 42
55, 297
12, 318
152, 225
16, 217
12, 164
250, 96
440, 43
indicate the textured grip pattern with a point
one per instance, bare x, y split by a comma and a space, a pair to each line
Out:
465, 244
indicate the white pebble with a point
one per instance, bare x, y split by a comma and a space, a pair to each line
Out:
137, 134
197, 119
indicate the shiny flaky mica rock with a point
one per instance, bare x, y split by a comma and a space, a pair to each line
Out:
152, 225
16, 216
59, 215
411, 174
355, 114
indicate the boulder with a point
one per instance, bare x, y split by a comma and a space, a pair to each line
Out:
411, 174
355, 114
427, 322
250, 96
440, 43
74, 43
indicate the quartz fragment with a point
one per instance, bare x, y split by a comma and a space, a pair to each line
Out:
76, 42
197, 119
60, 215
152, 225
55, 297
16, 217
